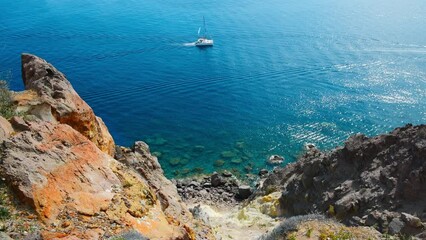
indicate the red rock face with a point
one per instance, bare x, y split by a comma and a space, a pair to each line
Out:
59, 162
62, 169
72, 185
66, 106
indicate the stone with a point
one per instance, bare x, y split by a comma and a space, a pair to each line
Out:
199, 148
57, 101
372, 218
309, 146
194, 184
184, 161
216, 180
5, 129
240, 145
263, 172
244, 191
411, 220
228, 154
174, 161
275, 159
226, 173
395, 226
236, 161
118, 153
4, 236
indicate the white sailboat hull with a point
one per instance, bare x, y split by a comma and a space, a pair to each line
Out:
203, 42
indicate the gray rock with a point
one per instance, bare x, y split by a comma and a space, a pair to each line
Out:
4, 236
194, 184
244, 191
372, 218
226, 173
216, 180
395, 226
263, 172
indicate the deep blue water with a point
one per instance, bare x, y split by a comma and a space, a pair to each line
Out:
282, 72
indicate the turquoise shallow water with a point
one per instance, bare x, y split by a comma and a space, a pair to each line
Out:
281, 73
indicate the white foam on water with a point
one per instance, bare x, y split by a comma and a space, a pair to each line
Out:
189, 44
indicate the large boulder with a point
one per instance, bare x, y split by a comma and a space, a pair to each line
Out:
79, 191
50, 97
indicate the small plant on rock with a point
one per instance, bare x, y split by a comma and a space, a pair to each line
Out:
309, 233
4, 213
6, 106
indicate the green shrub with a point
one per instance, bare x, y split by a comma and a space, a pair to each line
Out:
6, 106
4, 213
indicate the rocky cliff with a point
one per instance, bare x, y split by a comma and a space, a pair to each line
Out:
378, 181
57, 160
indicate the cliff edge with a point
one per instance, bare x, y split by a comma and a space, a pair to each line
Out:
57, 160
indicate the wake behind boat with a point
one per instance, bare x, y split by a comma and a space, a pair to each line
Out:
203, 41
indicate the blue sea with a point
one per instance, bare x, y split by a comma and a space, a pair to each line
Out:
282, 73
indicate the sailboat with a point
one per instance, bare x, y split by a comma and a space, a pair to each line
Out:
203, 40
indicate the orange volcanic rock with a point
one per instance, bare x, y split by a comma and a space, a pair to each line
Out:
79, 192
51, 97
56, 157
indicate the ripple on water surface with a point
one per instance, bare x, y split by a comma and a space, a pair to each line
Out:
275, 79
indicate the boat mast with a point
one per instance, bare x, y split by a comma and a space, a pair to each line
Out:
205, 29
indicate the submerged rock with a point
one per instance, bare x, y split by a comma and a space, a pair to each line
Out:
219, 163
199, 148
236, 161
228, 154
174, 161
240, 145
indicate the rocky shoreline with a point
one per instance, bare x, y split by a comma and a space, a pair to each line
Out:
378, 182
63, 177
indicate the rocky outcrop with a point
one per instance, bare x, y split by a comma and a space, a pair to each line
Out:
59, 166
378, 181
81, 191
140, 158
50, 97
